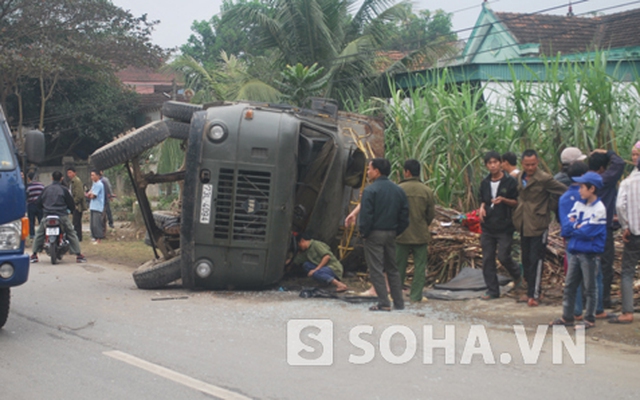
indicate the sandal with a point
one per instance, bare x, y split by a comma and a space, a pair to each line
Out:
378, 307
586, 325
560, 321
615, 319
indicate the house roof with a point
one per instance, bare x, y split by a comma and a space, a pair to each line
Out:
134, 75
574, 34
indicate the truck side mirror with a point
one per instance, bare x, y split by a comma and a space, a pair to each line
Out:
34, 146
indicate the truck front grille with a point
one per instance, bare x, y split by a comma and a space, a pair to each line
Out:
242, 205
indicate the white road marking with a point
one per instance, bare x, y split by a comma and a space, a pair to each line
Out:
175, 376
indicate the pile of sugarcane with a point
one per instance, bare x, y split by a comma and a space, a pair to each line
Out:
454, 247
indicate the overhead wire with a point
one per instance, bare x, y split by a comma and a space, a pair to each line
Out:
93, 109
361, 77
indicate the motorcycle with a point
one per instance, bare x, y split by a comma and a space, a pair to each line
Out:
56, 242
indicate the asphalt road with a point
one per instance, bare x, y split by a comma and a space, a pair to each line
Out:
83, 331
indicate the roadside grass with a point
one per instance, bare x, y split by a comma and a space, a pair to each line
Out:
122, 246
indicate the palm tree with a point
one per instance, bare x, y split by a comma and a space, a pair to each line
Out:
325, 32
227, 80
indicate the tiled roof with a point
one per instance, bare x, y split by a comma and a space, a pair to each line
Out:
574, 34
133, 75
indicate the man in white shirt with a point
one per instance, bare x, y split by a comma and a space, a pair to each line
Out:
628, 208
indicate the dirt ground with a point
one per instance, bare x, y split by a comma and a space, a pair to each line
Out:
124, 249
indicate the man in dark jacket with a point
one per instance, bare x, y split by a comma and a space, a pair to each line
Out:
384, 214
77, 192
416, 237
56, 200
532, 217
610, 167
498, 197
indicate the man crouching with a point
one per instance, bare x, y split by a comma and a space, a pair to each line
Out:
319, 262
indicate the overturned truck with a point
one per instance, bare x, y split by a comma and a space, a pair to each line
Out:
254, 176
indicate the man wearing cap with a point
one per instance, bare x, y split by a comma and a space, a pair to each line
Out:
628, 208
610, 167
587, 232
532, 217
568, 157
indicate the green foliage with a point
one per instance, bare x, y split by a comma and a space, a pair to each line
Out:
299, 83
228, 79
219, 34
56, 40
449, 128
82, 115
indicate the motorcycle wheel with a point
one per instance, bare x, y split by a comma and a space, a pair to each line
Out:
53, 252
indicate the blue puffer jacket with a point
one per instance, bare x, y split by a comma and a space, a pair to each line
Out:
588, 231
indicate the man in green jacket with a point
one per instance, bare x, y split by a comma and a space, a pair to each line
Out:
77, 192
532, 217
416, 237
319, 262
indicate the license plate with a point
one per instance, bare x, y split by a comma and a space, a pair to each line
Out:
205, 204
53, 231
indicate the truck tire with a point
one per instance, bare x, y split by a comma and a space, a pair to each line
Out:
5, 299
178, 130
180, 111
156, 274
126, 147
165, 218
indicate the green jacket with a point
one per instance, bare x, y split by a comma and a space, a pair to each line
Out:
422, 210
315, 253
77, 192
533, 213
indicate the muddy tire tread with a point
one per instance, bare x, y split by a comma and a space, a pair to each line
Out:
129, 146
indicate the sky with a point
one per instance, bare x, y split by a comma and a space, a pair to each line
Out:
176, 16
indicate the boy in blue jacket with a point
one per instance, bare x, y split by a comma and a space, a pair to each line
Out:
586, 227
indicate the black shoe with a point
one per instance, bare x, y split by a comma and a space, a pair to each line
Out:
81, 259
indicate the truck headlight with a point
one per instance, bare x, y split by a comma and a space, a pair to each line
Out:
203, 268
217, 133
6, 271
10, 235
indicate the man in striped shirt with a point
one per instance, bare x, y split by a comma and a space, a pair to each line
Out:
628, 208
34, 190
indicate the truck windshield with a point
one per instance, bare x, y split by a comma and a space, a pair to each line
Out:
6, 154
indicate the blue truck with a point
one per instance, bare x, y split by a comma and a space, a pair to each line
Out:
14, 226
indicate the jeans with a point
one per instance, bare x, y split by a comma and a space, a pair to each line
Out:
599, 298
533, 249
502, 242
380, 255
607, 267
74, 245
630, 258
107, 210
34, 213
420, 264
324, 274
582, 269
77, 223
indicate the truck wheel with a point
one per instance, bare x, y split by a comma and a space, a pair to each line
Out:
155, 274
178, 130
126, 147
165, 218
180, 111
5, 299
